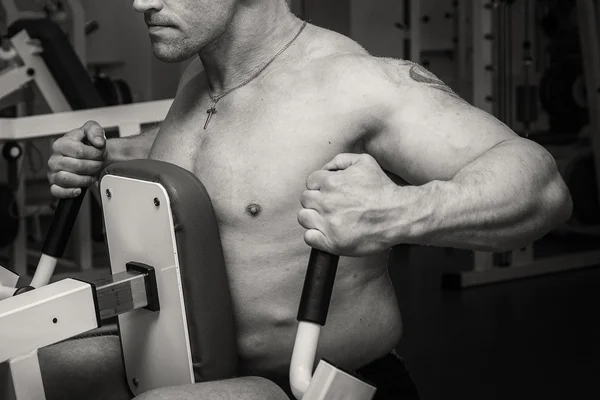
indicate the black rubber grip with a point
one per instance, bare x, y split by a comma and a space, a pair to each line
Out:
62, 224
318, 286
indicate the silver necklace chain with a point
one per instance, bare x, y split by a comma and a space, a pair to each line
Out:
216, 99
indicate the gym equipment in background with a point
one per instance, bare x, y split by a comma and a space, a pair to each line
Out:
489, 25
41, 54
68, 14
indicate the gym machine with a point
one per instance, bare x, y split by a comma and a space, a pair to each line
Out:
62, 12
491, 90
42, 55
168, 288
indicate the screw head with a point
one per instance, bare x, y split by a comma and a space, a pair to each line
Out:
15, 152
156, 202
108, 193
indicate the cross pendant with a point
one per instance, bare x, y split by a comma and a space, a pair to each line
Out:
210, 113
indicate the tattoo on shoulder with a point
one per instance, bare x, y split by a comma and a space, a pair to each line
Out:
421, 75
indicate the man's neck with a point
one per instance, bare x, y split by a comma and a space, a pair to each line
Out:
254, 36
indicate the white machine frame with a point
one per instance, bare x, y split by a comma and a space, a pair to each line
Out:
137, 230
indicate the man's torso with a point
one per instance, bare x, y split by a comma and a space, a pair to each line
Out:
261, 145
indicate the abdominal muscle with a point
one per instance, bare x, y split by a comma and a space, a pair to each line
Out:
266, 280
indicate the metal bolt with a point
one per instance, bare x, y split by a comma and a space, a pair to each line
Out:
156, 202
136, 382
108, 193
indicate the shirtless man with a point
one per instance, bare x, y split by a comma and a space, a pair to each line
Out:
327, 147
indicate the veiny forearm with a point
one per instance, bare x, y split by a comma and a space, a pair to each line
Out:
131, 147
509, 197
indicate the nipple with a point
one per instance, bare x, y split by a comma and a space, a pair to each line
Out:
254, 209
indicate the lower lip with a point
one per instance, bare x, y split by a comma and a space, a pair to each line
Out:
156, 29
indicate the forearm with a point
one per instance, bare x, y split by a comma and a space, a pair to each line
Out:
509, 197
131, 147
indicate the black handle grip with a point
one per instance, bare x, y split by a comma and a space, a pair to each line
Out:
63, 222
318, 286
62, 225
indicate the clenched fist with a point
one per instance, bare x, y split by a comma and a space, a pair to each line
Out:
77, 159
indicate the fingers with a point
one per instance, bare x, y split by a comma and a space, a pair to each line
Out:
69, 146
310, 219
92, 132
343, 161
310, 199
69, 180
318, 180
73, 165
62, 193
316, 240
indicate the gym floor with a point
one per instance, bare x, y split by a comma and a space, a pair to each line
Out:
530, 339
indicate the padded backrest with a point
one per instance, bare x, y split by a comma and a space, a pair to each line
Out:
204, 278
62, 61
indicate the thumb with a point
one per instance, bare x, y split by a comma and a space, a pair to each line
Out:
94, 134
342, 161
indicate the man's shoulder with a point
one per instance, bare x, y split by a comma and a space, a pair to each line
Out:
383, 72
368, 74
374, 85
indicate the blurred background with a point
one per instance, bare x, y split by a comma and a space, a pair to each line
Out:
518, 325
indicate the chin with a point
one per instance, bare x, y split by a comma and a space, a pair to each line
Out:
169, 54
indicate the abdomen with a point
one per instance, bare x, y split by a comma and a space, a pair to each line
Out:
363, 324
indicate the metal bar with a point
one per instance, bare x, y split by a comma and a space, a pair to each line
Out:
45, 316
415, 31
543, 266
19, 245
7, 277
108, 117
462, 35
42, 76
83, 235
121, 293
13, 80
587, 11
68, 308
78, 30
27, 377
482, 56
500, 29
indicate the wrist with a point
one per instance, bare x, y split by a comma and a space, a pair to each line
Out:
110, 151
417, 216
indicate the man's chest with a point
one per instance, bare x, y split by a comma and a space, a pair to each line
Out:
256, 167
